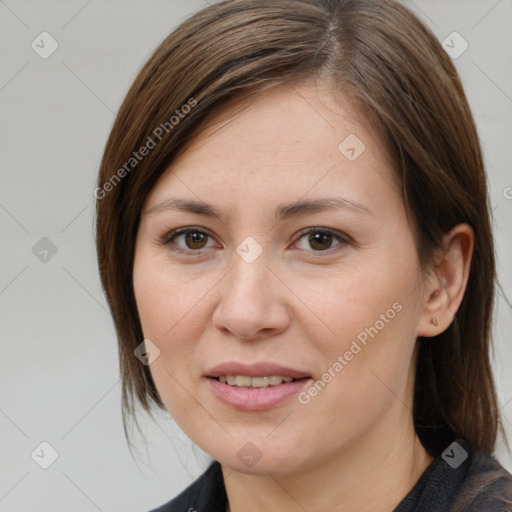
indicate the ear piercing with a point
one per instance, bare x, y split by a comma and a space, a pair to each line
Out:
434, 321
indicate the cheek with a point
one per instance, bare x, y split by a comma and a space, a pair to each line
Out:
166, 299
174, 328
363, 332
169, 319
355, 303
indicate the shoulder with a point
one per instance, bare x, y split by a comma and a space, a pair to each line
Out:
487, 485
461, 479
207, 493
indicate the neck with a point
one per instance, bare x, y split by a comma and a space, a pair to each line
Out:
373, 474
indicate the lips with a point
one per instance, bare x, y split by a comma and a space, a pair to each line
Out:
249, 398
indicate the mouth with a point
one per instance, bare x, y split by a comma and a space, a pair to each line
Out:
255, 387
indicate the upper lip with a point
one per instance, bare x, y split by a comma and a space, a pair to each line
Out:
261, 369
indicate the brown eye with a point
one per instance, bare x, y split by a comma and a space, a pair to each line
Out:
320, 240
193, 240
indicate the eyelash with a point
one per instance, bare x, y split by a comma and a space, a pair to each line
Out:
169, 238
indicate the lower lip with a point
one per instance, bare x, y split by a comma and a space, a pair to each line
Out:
256, 399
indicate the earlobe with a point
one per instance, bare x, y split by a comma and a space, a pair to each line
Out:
446, 284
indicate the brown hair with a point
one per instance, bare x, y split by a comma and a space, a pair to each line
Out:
390, 64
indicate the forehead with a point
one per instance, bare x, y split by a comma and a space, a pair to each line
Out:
287, 143
291, 121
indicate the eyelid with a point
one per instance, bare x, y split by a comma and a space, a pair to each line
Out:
183, 231
342, 237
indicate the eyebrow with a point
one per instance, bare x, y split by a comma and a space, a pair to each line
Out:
283, 212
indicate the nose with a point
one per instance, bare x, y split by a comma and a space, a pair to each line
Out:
254, 303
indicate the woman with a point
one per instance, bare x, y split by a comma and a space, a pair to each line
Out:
294, 238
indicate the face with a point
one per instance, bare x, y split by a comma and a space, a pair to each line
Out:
326, 292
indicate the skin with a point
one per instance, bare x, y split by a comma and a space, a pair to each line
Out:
296, 304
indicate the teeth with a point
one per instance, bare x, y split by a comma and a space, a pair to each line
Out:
244, 381
276, 379
262, 382
241, 380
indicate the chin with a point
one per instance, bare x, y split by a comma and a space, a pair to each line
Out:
262, 458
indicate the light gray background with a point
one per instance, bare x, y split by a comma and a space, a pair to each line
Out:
59, 368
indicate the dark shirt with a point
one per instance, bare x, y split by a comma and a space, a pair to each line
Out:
461, 479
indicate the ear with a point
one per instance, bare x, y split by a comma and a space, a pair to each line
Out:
446, 283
